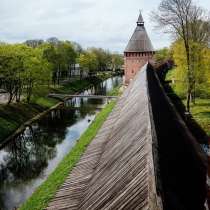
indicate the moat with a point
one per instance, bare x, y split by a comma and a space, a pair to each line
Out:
28, 160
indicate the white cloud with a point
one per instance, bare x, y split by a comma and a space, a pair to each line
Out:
101, 23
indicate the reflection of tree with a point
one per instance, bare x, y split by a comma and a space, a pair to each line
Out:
26, 158
2, 205
28, 155
101, 88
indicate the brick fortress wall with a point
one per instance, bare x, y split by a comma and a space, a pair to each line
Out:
134, 61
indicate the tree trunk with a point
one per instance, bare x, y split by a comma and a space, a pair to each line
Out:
29, 91
10, 99
189, 90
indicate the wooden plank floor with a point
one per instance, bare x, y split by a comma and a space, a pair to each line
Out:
117, 169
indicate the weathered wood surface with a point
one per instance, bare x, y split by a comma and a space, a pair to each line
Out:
117, 169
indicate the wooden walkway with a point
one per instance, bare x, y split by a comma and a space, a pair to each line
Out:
117, 169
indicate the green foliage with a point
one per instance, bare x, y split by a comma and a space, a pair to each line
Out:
201, 113
103, 58
201, 73
98, 60
37, 72
88, 62
115, 91
12, 116
7, 126
26, 68
70, 88
117, 62
22, 69
200, 110
41, 197
45, 102
163, 55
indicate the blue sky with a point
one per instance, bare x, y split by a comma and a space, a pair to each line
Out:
100, 23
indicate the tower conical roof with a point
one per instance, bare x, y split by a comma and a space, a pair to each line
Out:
140, 19
140, 41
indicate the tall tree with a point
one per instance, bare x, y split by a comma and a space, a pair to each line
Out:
49, 53
34, 42
103, 58
116, 61
178, 17
11, 65
88, 62
163, 55
53, 40
37, 72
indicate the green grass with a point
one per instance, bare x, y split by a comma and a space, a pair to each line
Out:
45, 102
201, 109
115, 91
41, 197
171, 74
78, 85
201, 113
12, 116
70, 88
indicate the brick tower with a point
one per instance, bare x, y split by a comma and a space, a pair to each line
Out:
138, 51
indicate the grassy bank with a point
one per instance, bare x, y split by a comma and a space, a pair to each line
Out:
201, 113
12, 116
201, 109
41, 197
115, 91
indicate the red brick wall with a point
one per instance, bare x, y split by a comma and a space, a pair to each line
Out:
134, 62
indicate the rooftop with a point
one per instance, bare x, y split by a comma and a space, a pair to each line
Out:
140, 41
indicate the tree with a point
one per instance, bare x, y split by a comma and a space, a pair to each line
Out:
201, 66
88, 62
62, 56
49, 53
103, 58
116, 61
34, 42
163, 55
37, 71
179, 17
77, 47
70, 55
11, 66
53, 40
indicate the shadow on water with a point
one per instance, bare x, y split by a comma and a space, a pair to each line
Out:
27, 161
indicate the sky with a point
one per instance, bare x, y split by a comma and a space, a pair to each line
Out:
100, 23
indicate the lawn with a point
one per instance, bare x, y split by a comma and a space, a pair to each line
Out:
201, 113
115, 91
201, 109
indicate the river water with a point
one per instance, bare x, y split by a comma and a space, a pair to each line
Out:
28, 160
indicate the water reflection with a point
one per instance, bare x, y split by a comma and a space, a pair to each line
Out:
27, 161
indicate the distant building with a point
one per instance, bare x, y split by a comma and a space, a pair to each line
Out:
76, 70
138, 51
